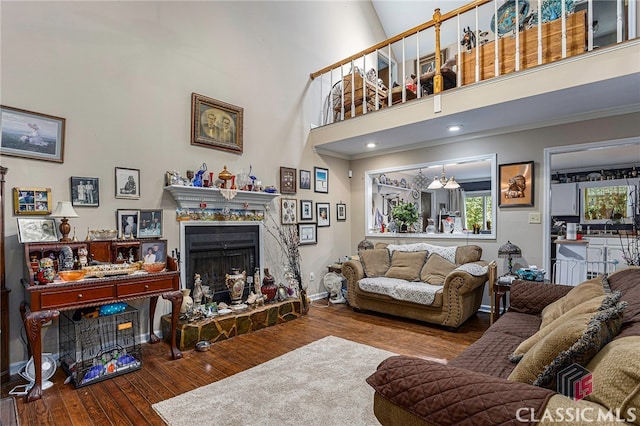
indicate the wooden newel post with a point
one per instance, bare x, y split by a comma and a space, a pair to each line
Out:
437, 78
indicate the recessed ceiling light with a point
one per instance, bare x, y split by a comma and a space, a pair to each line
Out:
371, 145
455, 127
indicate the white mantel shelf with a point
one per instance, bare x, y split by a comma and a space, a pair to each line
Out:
191, 197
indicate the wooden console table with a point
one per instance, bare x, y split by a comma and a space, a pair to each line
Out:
46, 301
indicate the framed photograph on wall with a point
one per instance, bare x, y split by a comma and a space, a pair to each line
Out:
31, 135
127, 183
322, 213
85, 191
287, 180
307, 233
288, 211
128, 222
341, 212
37, 230
153, 251
31, 201
216, 124
150, 224
306, 210
516, 184
321, 180
305, 179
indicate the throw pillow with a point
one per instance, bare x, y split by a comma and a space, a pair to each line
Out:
580, 293
602, 328
436, 269
616, 376
375, 262
467, 254
406, 265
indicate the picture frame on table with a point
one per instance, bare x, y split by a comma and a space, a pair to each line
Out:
517, 184
321, 180
127, 183
288, 182
158, 250
85, 191
32, 135
32, 230
305, 179
307, 233
322, 213
31, 201
150, 224
128, 223
288, 211
216, 124
306, 210
341, 212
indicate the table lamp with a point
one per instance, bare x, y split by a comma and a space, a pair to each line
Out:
65, 211
509, 251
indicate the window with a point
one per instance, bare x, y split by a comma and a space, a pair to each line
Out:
478, 209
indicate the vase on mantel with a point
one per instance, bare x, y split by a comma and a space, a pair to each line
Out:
269, 287
187, 301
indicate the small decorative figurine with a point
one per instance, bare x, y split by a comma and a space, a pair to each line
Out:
197, 290
46, 273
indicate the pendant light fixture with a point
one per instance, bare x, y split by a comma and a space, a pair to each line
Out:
443, 182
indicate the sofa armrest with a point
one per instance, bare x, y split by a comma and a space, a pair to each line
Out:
353, 272
463, 281
443, 394
530, 297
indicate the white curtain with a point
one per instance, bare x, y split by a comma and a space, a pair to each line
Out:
456, 203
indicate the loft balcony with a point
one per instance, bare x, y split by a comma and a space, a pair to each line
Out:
579, 61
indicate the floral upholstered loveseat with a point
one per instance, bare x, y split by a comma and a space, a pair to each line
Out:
426, 282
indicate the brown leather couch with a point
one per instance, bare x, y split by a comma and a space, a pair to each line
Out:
485, 386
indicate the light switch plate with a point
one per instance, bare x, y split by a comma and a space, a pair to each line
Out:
534, 217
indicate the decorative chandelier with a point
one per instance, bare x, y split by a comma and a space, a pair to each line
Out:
443, 182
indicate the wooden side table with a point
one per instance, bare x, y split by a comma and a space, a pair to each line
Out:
499, 297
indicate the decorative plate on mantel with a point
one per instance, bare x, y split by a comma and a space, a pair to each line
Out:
507, 16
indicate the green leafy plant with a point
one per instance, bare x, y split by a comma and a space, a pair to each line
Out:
405, 214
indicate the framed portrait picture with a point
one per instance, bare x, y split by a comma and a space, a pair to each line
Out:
37, 230
127, 183
307, 233
306, 210
341, 212
288, 211
305, 179
216, 124
128, 223
32, 135
31, 201
153, 251
150, 224
85, 191
287, 180
516, 184
322, 213
321, 180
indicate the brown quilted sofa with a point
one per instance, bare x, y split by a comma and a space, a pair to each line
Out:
435, 284
548, 327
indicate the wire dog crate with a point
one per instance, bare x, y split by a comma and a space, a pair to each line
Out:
97, 349
576, 271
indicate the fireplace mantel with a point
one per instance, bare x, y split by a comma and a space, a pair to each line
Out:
192, 197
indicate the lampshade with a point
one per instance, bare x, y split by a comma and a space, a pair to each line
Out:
64, 209
509, 250
443, 182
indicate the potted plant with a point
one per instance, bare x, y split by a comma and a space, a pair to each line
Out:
405, 215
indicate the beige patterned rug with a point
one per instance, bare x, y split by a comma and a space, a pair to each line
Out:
322, 383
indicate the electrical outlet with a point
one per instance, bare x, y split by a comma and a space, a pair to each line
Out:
312, 276
534, 217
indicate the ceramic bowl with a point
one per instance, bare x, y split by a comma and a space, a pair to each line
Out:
74, 275
154, 267
203, 346
104, 234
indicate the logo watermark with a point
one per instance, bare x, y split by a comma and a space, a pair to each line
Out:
575, 382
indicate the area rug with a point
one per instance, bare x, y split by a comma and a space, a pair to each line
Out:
8, 412
322, 383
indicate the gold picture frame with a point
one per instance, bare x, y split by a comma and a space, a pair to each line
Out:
516, 184
31, 201
216, 124
32, 135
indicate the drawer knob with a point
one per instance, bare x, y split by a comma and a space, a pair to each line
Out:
146, 286
79, 295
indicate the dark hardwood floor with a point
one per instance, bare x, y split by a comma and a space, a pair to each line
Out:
127, 399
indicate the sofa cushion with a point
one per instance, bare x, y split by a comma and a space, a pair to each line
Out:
602, 328
436, 269
580, 293
399, 289
375, 262
466, 254
616, 376
406, 265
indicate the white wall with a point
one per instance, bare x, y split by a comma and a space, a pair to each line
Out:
122, 74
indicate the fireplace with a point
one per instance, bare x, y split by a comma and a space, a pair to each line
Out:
212, 249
